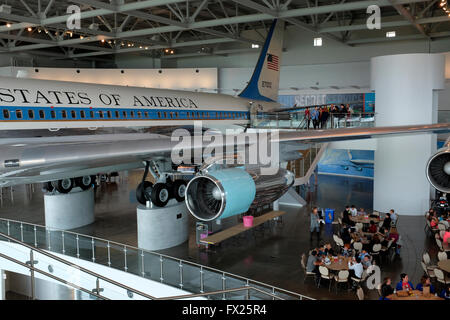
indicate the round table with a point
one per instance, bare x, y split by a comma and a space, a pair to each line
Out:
417, 295
444, 265
363, 219
338, 266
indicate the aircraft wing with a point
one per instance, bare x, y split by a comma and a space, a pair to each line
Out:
29, 160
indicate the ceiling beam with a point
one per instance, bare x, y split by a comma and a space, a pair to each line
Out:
407, 15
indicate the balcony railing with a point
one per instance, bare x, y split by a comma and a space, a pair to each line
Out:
179, 273
297, 120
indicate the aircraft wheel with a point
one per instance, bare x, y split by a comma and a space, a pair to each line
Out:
160, 194
47, 186
84, 182
143, 192
179, 190
63, 185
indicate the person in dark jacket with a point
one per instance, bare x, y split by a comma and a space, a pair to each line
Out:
386, 289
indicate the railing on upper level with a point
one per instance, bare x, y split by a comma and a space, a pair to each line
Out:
179, 273
297, 120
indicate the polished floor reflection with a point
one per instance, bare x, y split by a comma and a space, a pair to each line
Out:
269, 254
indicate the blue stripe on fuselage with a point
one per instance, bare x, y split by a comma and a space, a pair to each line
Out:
108, 114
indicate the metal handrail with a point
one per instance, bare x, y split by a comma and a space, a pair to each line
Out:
92, 273
50, 276
171, 258
195, 295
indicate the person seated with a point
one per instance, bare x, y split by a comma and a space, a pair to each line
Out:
347, 250
375, 240
373, 227
404, 283
353, 211
362, 254
446, 237
387, 221
425, 282
386, 289
346, 217
355, 268
346, 236
313, 263
367, 261
361, 212
445, 293
329, 250
434, 223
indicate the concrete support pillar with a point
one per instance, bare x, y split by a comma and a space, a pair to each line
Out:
161, 228
405, 95
69, 211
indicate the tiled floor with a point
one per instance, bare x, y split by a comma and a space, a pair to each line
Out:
269, 255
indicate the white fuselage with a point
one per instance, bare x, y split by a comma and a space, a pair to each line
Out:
41, 104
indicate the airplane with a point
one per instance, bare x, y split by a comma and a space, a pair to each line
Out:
62, 134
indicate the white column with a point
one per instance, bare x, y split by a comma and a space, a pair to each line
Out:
404, 86
69, 211
160, 228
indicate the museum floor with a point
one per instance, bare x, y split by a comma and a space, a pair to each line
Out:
270, 255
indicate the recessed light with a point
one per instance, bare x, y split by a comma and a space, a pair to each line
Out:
390, 34
317, 42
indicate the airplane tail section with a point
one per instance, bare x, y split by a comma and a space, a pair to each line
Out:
265, 80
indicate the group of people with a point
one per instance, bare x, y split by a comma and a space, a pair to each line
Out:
405, 285
319, 114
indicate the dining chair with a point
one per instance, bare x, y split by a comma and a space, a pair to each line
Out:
341, 277
325, 274
358, 246
360, 293
442, 226
429, 272
439, 244
426, 259
442, 255
359, 226
307, 274
441, 277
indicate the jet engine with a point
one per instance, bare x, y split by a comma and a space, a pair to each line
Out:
227, 192
438, 170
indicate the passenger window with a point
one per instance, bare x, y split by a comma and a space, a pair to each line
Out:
100, 113
82, 114
53, 114
73, 114
117, 113
124, 113
165, 115
132, 114
6, 113
41, 114
159, 115
139, 114
92, 114
109, 113
30, 114
146, 114
19, 114
64, 114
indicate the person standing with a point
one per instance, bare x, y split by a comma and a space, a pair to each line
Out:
315, 223
315, 117
325, 113
307, 118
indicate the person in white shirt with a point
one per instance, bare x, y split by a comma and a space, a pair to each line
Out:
393, 215
356, 268
354, 211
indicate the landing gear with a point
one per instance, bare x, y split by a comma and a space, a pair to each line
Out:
163, 190
63, 185
85, 182
47, 187
160, 194
179, 190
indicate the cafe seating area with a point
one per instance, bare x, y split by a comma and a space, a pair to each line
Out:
364, 238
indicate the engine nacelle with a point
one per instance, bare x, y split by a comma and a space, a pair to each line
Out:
438, 170
227, 192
